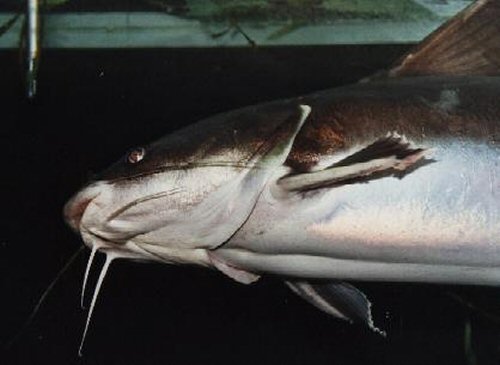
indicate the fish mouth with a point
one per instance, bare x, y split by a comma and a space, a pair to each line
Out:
75, 208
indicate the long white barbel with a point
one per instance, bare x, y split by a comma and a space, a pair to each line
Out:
109, 258
87, 271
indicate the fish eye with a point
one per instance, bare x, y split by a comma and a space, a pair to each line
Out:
136, 155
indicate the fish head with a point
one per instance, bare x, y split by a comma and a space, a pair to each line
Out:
188, 192
143, 208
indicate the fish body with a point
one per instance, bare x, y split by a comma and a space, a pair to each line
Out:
438, 223
394, 178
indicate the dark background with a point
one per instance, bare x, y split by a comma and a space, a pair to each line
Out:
94, 105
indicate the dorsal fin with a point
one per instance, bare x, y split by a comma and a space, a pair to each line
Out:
468, 44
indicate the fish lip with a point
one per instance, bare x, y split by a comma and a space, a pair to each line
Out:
75, 207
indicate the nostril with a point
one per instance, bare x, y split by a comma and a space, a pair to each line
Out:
73, 211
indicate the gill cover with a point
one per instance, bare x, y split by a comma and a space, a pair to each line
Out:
228, 207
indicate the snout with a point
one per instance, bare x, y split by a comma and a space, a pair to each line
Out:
76, 206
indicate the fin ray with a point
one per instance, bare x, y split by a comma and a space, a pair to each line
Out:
468, 44
339, 299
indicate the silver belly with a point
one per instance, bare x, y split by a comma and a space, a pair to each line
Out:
439, 223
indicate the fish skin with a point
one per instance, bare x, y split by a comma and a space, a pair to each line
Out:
227, 139
416, 107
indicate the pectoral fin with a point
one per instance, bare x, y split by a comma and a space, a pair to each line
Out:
338, 299
389, 155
